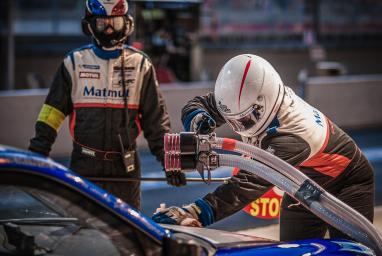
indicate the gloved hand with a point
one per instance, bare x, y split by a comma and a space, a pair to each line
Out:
198, 214
39, 151
185, 216
203, 123
176, 178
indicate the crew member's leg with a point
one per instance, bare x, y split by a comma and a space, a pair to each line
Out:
297, 223
129, 192
358, 193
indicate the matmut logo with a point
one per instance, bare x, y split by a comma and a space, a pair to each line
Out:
90, 75
104, 93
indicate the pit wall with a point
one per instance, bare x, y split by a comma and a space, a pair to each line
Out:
353, 102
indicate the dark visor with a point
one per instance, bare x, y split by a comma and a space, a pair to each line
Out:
246, 122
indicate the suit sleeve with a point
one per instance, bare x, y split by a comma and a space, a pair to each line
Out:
201, 103
245, 187
154, 117
57, 106
241, 189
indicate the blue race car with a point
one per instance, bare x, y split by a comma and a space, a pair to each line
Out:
46, 209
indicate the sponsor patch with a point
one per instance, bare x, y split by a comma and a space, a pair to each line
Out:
117, 68
88, 152
89, 66
103, 93
90, 75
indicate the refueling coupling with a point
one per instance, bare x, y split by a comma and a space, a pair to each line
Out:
189, 151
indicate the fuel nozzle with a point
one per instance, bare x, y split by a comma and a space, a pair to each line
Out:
189, 151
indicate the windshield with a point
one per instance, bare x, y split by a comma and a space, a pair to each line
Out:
38, 215
15, 203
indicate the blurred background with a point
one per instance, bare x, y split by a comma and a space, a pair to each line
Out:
192, 39
329, 52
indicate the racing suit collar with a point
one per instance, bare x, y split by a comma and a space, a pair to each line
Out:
272, 128
104, 54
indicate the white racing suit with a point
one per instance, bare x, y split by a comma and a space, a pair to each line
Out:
88, 88
305, 138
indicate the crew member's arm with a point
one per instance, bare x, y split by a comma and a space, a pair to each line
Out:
241, 189
155, 120
246, 187
57, 106
193, 111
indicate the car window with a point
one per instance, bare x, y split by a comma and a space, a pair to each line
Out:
62, 221
15, 203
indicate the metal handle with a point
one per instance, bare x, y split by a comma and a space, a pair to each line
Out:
153, 179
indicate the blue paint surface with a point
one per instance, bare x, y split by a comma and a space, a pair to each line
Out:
306, 247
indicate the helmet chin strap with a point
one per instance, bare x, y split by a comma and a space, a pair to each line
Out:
118, 44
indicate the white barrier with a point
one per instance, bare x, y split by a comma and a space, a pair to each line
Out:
353, 101
350, 101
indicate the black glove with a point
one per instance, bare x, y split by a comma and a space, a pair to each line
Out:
39, 151
176, 178
203, 123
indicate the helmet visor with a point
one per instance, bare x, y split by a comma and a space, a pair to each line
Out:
248, 121
117, 23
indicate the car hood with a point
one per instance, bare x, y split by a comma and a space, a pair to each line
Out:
220, 238
230, 243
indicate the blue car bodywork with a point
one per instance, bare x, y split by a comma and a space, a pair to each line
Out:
232, 244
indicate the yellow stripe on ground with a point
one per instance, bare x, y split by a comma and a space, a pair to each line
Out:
51, 116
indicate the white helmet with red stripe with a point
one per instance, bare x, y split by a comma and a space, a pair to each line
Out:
248, 94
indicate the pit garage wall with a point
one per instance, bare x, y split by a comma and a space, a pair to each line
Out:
353, 102
350, 101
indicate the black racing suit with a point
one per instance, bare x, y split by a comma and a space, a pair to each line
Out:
88, 88
306, 139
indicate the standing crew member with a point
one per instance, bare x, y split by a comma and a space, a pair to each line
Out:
250, 96
110, 92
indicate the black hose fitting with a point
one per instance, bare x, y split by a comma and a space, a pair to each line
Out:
308, 193
181, 151
190, 151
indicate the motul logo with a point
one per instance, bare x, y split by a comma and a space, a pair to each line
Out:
90, 75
